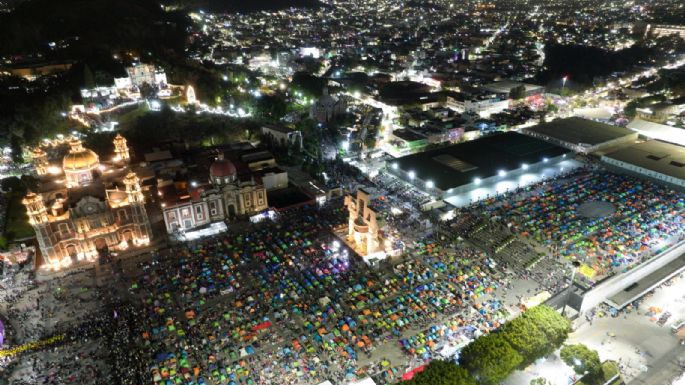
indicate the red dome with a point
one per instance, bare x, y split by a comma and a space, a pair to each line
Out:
222, 168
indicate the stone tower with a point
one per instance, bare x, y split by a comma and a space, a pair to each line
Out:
40, 161
38, 218
137, 201
121, 149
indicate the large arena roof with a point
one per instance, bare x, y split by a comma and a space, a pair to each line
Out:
459, 164
579, 131
660, 157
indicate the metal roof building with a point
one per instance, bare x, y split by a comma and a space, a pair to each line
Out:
661, 161
581, 135
507, 160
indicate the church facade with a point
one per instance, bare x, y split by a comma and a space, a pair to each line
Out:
86, 207
225, 196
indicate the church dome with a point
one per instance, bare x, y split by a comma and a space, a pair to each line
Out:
222, 168
79, 158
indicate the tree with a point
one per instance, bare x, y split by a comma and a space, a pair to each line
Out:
490, 358
271, 107
310, 85
15, 146
555, 326
518, 92
442, 373
582, 359
88, 77
526, 338
535, 333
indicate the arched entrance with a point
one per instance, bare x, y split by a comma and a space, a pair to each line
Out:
102, 248
127, 236
72, 252
231, 210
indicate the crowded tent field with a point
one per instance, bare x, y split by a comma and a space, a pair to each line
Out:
607, 221
279, 305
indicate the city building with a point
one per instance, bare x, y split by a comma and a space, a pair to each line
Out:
504, 87
658, 131
582, 135
188, 205
86, 208
282, 135
654, 159
469, 171
32, 71
263, 165
327, 108
482, 105
658, 30
140, 74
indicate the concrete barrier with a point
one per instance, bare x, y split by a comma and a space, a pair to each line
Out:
613, 285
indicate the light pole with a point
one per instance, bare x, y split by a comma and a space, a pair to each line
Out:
576, 264
563, 82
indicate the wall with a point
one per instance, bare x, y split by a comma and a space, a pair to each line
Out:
619, 282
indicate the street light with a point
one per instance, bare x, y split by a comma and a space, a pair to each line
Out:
563, 81
576, 264
412, 175
430, 184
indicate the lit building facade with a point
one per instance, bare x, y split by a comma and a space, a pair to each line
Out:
226, 195
363, 226
87, 209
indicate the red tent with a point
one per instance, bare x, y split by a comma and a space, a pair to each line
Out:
261, 326
409, 375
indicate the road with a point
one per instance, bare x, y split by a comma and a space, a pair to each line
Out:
665, 370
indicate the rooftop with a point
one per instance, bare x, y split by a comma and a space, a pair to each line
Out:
505, 86
664, 158
459, 164
658, 131
580, 131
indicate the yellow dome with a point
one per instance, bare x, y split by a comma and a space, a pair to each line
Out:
79, 158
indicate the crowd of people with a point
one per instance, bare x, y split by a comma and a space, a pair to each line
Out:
401, 190
648, 217
287, 302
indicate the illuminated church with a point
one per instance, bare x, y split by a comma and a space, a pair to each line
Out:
86, 207
226, 195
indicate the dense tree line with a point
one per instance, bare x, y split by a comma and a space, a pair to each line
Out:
78, 27
584, 63
534, 334
189, 129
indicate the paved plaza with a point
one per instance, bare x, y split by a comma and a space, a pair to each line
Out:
285, 301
